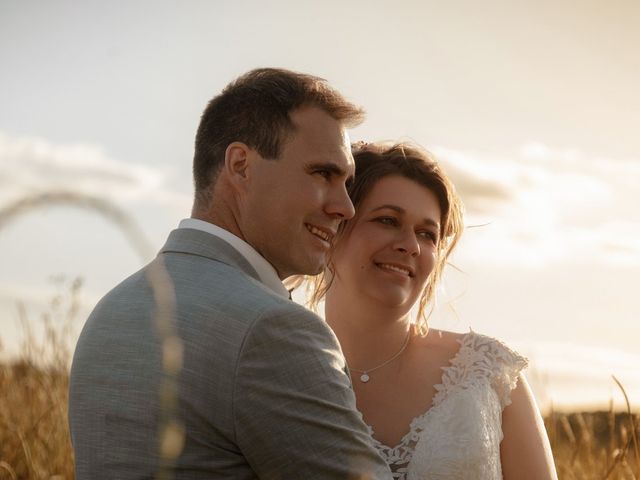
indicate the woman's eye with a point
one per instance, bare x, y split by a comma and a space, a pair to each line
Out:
387, 220
429, 236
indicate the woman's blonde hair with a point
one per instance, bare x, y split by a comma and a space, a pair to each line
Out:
375, 161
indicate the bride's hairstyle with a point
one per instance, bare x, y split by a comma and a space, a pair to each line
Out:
375, 161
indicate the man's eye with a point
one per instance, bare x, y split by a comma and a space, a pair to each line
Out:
323, 173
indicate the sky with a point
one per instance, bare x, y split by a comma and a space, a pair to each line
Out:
532, 108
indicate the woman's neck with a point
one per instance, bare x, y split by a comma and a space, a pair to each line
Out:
368, 333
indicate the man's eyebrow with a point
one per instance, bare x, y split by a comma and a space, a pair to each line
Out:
396, 208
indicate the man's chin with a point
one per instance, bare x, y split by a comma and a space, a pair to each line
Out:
315, 266
310, 266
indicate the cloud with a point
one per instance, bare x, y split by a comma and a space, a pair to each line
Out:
540, 152
543, 205
483, 187
31, 165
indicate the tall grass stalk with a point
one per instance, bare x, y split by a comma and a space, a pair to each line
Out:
171, 439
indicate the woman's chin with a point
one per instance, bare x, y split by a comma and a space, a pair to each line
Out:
389, 298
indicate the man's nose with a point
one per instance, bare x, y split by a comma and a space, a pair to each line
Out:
339, 204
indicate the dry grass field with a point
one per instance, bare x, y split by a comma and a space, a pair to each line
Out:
34, 437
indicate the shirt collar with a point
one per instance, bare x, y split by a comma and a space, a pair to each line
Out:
265, 270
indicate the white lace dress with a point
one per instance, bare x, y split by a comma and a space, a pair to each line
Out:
459, 436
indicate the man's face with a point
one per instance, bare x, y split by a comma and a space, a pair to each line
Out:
294, 204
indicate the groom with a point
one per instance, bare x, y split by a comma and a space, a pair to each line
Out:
199, 365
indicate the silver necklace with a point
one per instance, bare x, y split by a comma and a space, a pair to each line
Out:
364, 377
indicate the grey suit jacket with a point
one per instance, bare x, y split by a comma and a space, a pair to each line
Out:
261, 392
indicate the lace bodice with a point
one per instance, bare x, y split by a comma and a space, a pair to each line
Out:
459, 436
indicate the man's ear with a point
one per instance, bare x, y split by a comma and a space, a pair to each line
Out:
237, 164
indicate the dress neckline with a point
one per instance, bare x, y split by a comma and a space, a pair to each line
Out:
437, 399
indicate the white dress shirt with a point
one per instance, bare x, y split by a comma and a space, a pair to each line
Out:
265, 270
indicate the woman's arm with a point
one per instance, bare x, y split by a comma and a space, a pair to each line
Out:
525, 451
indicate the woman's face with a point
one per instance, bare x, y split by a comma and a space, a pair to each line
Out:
389, 248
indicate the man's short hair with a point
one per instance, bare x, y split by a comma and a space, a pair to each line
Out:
254, 109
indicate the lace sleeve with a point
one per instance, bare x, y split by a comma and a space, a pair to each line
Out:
508, 365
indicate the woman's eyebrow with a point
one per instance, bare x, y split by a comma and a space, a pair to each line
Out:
396, 208
390, 207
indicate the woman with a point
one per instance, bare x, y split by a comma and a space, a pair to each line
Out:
439, 404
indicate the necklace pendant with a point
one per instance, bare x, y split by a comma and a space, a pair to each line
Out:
364, 378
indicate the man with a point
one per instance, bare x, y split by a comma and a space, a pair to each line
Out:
199, 365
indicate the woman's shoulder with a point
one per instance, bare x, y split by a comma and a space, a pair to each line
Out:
436, 347
477, 356
455, 341
502, 364
440, 339
493, 347
468, 346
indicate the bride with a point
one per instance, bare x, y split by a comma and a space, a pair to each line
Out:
438, 404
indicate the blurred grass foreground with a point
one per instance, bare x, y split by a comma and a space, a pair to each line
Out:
34, 434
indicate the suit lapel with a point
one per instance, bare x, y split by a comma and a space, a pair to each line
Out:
203, 244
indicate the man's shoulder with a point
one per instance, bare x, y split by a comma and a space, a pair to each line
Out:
226, 284
218, 290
